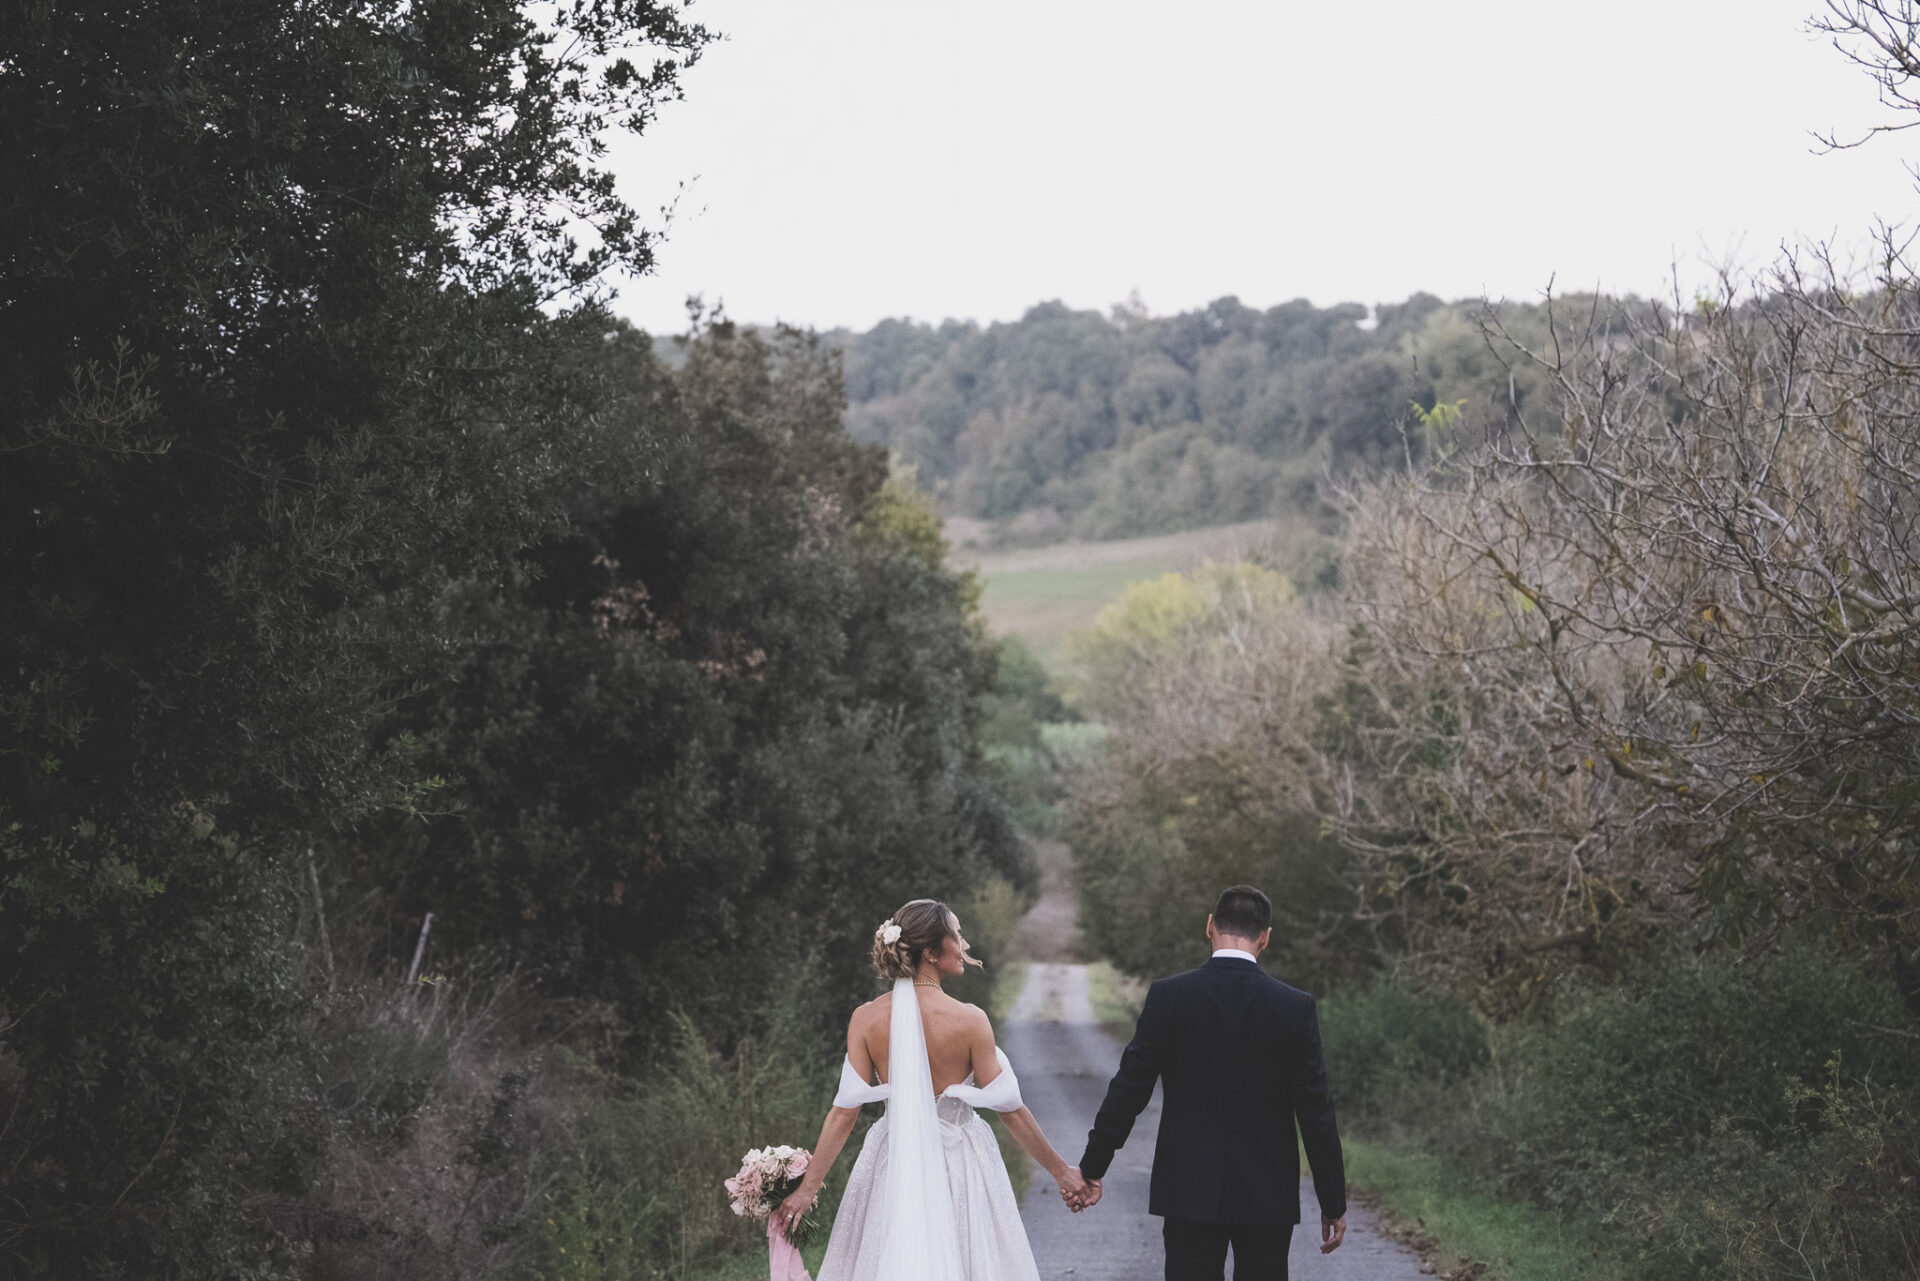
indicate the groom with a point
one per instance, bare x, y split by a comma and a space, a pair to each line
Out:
1239, 1055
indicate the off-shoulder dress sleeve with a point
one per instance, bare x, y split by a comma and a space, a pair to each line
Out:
1002, 1094
854, 1092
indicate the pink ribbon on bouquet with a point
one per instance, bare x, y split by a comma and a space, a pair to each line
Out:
783, 1259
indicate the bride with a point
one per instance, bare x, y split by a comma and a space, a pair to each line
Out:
928, 1199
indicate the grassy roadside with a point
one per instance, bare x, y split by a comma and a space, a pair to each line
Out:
1008, 979
1463, 1234
1115, 998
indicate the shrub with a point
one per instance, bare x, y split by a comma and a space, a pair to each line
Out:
1725, 1119
1742, 1120
440, 1097
1388, 1042
635, 1194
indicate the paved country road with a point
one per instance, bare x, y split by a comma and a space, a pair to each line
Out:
1065, 1059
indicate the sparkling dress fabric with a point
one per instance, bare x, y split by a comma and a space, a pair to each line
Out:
886, 1229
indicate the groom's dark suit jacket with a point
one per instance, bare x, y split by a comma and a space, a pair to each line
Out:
1238, 1053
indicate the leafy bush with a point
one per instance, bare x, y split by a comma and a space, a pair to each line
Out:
1021, 699
1022, 718
1388, 1043
1727, 1120
1736, 1118
278, 370
702, 737
441, 1096
160, 1071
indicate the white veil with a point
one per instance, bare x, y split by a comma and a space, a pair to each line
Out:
920, 1239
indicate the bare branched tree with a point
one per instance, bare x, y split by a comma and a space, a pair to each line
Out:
1674, 623
1883, 40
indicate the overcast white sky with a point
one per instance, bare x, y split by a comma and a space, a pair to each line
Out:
851, 160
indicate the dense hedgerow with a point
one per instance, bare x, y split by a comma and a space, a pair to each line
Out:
1714, 1118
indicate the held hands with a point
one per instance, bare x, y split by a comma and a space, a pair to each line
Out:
1076, 1192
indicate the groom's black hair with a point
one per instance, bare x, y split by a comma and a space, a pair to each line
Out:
1243, 912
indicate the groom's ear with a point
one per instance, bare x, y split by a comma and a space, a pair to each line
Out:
1266, 937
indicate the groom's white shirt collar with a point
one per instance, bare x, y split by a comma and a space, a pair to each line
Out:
1236, 952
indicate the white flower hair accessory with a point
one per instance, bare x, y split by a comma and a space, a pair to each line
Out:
888, 933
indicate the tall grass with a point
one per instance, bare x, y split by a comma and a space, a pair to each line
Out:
480, 1132
1461, 1227
636, 1195
440, 1095
1116, 999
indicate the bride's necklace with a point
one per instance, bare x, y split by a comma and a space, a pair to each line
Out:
918, 983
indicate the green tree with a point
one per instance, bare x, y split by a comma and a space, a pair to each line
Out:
1128, 424
728, 713
1160, 628
275, 374
1202, 680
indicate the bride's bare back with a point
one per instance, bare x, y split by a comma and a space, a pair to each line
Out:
959, 1039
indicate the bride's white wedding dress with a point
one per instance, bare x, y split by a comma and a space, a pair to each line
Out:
929, 1198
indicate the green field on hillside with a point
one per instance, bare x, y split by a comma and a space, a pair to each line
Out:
1045, 594
1044, 606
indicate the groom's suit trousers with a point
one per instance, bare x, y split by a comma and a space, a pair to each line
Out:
1198, 1251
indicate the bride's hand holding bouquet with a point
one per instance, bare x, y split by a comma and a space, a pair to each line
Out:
791, 1213
772, 1185
773, 1178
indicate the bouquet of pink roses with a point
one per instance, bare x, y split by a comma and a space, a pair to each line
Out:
767, 1177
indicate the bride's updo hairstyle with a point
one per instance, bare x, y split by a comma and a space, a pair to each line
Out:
904, 939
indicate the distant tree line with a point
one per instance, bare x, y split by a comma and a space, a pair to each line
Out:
355, 566
1071, 422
